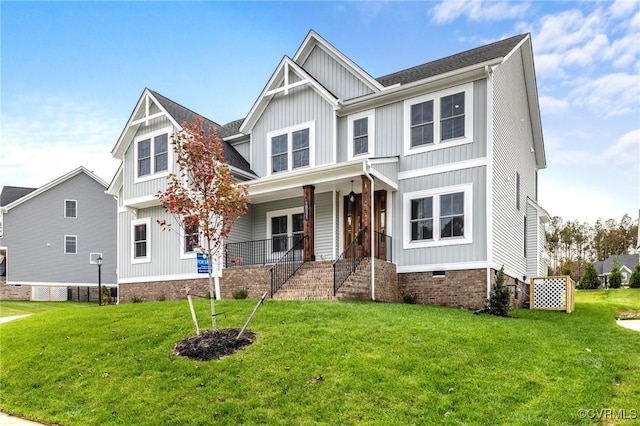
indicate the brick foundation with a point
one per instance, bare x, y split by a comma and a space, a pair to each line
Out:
457, 289
14, 292
386, 280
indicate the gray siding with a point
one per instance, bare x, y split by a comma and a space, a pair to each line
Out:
301, 105
34, 235
532, 241
389, 130
242, 229
149, 187
512, 143
390, 170
332, 75
244, 149
443, 255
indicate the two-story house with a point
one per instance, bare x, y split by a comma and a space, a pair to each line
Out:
52, 237
423, 181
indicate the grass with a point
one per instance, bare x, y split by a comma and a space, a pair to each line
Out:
323, 362
11, 308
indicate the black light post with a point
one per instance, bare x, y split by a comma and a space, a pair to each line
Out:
99, 261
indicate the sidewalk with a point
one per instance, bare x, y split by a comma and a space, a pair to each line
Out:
630, 324
15, 317
8, 420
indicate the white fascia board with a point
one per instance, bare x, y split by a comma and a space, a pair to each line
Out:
154, 278
142, 202
314, 39
52, 284
542, 213
116, 182
52, 184
405, 269
405, 91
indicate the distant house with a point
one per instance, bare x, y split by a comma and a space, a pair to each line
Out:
423, 181
627, 263
52, 236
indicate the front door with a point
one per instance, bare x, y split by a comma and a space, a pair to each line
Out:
353, 222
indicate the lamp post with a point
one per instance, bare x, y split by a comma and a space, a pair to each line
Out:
99, 262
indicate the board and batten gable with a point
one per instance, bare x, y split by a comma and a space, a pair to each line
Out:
34, 234
333, 75
301, 106
512, 153
134, 188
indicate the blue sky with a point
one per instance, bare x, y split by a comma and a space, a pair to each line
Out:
71, 73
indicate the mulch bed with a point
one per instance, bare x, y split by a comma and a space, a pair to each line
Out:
214, 344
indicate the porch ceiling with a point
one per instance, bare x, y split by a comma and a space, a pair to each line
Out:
325, 178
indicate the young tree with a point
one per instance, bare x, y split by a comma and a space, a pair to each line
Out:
634, 279
590, 279
500, 297
204, 196
615, 277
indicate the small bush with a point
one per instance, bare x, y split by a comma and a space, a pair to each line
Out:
240, 294
634, 279
410, 298
590, 279
136, 299
615, 278
500, 297
106, 295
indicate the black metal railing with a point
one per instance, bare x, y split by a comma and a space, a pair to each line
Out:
258, 252
287, 265
347, 262
382, 246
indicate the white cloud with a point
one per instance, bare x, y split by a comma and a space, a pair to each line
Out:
551, 105
478, 10
608, 95
626, 150
45, 138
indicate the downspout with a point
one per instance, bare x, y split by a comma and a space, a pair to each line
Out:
365, 165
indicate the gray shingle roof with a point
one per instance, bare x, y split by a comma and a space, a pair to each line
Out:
10, 194
231, 128
475, 56
628, 260
182, 114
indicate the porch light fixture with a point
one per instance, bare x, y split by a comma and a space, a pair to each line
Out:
352, 195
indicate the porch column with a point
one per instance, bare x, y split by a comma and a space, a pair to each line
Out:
308, 222
366, 215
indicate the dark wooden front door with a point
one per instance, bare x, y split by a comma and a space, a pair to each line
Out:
352, 222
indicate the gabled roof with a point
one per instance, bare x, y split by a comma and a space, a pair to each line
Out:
177, 114
627, 260
10, 194
465, 59
279, 83
52, 184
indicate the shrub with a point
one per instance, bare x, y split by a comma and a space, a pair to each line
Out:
500, 297
590, 279
615, 278
634, 279
106, 295
136, 299
240, 294
410, 298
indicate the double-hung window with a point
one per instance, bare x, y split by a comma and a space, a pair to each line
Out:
285, 229
436, 217
152, 154
71, 209
70, 244
140, 240
191, 239
438, 120
291, 148
361, 134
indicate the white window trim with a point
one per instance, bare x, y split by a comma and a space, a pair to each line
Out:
151, 136
147, 258
311, 125
435, 97
183, 247
467, 189
371, 133
65, 209
65, 244
285, 212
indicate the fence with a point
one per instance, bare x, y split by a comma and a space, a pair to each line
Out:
552, 293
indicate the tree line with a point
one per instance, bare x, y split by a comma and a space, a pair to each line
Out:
571, 245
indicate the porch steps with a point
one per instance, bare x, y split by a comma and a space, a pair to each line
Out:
313, 281
358, 285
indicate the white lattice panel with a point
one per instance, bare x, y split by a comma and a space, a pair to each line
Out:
44, 294
57, 294
550, 293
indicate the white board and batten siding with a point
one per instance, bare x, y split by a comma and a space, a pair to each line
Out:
512, 152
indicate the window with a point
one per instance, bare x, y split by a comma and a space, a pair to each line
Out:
437, 217
70, 244
140, 240
438, 120
422, 219
70, 209
191, 239
152, 154
291, 148
361, 134
285, 228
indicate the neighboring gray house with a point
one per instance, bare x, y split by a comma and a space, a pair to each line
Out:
627, 263
52, 236
424, 181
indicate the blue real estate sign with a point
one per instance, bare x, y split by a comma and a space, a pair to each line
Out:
201, 263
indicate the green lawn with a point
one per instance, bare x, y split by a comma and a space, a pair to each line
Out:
324, 362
